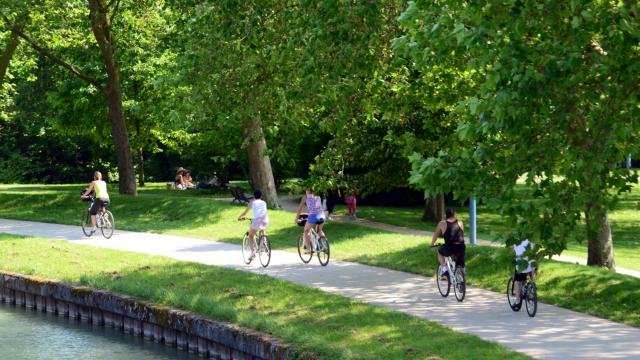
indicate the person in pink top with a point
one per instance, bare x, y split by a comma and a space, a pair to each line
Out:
351, 202
316, 215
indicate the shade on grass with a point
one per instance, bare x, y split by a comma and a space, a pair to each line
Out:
319, 325
203, 217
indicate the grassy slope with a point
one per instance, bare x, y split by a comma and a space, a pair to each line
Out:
321, 325
567, 285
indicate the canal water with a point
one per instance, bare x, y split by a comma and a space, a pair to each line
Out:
27, 334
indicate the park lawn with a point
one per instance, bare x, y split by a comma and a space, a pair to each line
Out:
625, 224
561, 284
319, 325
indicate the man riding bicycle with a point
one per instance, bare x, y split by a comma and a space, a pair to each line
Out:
102, 197
452, 230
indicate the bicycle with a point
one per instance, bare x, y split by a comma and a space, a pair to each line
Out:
458, 281
319, 245
261, 245
104, 219
528, 294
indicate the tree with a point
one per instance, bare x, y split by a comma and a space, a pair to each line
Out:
101, 16
552, 100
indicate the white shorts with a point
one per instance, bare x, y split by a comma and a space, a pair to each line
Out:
260, 223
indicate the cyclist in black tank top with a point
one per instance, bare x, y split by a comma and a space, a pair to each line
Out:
452, 230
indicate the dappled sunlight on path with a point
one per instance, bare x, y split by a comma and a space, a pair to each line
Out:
554, 333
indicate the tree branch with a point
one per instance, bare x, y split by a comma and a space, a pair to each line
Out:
48, 54
115, 11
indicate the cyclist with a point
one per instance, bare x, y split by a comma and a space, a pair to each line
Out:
102, 197
521, 261
316, 216
452, 230
260, 218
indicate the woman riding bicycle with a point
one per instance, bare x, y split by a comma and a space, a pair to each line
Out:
452, 230
260, 219
316, 215
102, 197
523, 267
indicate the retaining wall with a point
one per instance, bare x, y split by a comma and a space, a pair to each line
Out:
182, 329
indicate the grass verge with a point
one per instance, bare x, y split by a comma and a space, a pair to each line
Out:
320, 325
593, 291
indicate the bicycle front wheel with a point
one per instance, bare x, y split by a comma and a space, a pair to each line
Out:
265, 251
108, 224
460, 287
323, 251
531, 300
443, 282
86, 223
304, 253
246, 249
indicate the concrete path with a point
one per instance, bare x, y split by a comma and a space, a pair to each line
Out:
290, 203
554, 333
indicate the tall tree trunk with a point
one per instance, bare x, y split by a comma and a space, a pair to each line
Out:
140, 155
600, 251
101, 30
10, 48
259, 162
434, 209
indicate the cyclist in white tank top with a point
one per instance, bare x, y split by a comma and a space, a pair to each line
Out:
102, 197
260, 219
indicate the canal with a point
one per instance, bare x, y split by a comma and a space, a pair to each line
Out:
26, 334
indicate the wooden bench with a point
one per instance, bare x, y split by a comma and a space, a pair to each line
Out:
239, 195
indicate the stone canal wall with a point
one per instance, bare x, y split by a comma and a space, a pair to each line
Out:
182, 329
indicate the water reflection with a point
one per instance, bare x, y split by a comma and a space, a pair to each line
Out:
28, 335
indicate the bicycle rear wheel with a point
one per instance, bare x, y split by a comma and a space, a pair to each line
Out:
246, 249
511, 295
323, 252
531, 300
265, 251
86, 223
460, 287
444, 282
305, 254
108, 224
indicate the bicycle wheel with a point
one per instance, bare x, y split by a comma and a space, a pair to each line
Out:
531, 299
511, 295
461, 286
86, 223
444, 282
305, 257
265, 251
108, 224
323, 253
246, 249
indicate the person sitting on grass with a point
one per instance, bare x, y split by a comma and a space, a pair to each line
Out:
452, 230
179, 181
102, 197
260, 219
188, 180
316, 216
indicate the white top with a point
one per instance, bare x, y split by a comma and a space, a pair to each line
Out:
259, 208
520, 249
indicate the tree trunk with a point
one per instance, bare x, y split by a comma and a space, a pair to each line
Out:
10, 48
434, 209
140, 155
259, 162
100, 27
600, 239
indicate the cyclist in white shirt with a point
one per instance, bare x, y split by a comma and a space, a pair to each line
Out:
260, 219
523, 266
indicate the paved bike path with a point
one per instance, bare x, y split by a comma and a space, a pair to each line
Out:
554, 333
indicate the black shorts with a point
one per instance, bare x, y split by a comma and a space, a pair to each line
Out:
456, 251
97, 205
520, 276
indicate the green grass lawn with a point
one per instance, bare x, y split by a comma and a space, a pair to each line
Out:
595, 291
319, 325
625, 224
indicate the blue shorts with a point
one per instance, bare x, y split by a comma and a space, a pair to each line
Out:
315, 219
